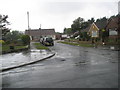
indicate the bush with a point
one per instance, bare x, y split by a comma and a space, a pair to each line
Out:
2, 42
7, 42
25, 39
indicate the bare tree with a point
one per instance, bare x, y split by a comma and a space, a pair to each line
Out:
3, 24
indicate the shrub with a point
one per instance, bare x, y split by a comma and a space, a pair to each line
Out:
25, 39
2, 42
7, 42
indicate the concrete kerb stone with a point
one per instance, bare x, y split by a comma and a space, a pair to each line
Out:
6, 69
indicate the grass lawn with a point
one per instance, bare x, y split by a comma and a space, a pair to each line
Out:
77, 44
7, 48
40, 46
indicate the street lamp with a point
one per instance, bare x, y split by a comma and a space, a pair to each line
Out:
28, 26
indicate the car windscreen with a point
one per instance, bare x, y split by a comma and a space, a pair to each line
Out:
49, 39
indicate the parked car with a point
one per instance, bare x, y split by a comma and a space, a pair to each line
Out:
41, 40
48, 41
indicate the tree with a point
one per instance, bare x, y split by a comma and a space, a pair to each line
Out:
76, 26
3, 24
84, 25
105, 34
85, 36
90, 21
13, 36
26, 39
101, 23
64, 31
67, 31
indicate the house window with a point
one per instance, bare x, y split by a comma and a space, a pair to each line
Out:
94, 34
113, 32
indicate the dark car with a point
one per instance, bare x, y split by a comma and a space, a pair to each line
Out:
48, 41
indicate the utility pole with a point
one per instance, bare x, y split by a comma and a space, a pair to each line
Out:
40, 31
28, 27
40, 26
28, 20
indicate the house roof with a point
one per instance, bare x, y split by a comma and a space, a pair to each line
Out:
112, 23
93, 27
38, 32
101, 24
86, 29
76, 33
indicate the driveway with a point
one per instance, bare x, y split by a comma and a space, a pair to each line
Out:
71, 67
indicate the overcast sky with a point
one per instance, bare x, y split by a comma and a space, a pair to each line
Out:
55, 14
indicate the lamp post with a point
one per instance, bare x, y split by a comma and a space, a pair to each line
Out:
28, 27
28, 20
39, 33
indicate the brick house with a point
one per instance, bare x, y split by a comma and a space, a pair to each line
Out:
112, 27
36, 34
58, 36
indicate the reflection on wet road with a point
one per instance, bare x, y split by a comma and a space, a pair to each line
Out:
71, 67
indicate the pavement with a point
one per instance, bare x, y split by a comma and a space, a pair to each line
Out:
15, 60
71, 67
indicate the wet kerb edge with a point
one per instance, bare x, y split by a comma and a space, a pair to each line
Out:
6, 69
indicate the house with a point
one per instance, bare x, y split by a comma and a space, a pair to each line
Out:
36, 34
58, 36
93, 31
100, 23
112, 27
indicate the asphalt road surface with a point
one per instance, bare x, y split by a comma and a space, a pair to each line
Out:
71, 67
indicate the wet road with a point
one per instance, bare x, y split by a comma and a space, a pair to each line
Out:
71, 67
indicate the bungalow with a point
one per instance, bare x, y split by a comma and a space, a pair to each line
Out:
36, 34
93, 31
99, 24
112, 27
58, 36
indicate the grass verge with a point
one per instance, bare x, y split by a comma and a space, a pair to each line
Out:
40, 46
77, 44
6, 48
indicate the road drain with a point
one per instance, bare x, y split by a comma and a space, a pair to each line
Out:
63, 60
